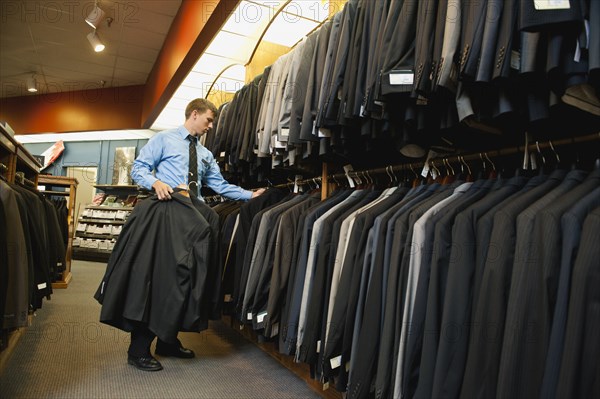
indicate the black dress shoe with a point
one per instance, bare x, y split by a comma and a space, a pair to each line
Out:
145, 363
174, 351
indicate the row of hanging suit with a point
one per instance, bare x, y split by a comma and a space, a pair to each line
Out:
33, 241
380, 75
465, 289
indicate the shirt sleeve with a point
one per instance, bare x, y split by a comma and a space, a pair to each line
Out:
145, 163
215, 181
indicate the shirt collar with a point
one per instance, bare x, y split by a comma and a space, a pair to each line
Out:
183, 132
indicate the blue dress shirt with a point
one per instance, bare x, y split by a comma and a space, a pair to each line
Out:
167, 153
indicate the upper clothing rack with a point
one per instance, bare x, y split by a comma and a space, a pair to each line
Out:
451, 159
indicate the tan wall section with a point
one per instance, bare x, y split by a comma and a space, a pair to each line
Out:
266, 54
75, 111
219, 97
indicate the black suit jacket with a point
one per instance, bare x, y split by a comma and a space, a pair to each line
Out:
167, 290
398, 52
457, 302
533, 20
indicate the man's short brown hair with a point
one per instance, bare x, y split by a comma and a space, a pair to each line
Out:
201, 105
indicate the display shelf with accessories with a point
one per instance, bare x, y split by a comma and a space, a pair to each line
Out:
100, 223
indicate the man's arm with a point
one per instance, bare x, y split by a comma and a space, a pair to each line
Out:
141, 172
218, 184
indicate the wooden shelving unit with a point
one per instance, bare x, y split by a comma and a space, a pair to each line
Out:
15, 158
69, 185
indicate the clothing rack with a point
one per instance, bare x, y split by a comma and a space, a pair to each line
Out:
463, 158
23, 181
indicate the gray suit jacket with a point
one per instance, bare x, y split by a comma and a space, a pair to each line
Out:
579, 369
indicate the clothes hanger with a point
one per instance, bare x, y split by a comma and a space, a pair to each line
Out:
493, 173
542, 167
469, 172
388, 172
556, 156
417, 180
450, 175
483, 173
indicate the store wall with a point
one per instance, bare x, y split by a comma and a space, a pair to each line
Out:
99, 154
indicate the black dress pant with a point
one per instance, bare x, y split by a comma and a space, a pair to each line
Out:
142, 337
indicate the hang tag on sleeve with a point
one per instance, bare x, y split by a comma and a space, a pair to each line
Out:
261, 317
335, 362
402, 77
545, 5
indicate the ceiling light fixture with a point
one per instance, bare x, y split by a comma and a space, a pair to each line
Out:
95, 16
32, 84
95, 41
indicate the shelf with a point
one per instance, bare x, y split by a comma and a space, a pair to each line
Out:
7, 143
50, 180
24, 156
109, 208
102, 221
91, 254
116, 187
79, 234
49, 192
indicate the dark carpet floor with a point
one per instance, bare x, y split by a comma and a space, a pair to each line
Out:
67, 353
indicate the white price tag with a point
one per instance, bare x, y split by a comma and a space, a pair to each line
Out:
42, 286
285, 132
249, 316
543, 5
335, 362
324, 132
319, 346
398, 78
260, 317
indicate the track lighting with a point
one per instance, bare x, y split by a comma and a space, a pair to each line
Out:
95, 16
32, 84
95, 41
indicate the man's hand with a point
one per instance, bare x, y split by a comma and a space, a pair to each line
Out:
163, 191
258, 192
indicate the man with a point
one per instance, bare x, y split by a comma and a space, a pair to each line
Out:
168, 154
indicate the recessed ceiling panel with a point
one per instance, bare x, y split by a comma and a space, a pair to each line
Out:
286, 27
231, 45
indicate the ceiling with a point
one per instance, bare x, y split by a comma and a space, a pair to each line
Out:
48, 40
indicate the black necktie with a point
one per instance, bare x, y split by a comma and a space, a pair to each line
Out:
193, 167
